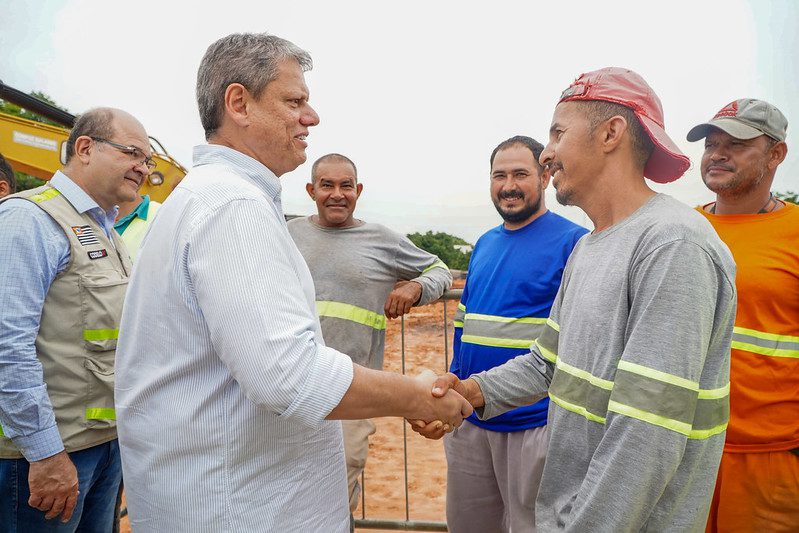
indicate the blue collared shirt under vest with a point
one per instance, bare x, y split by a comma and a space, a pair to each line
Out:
33, 251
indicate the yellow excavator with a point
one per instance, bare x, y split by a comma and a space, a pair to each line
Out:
39, 149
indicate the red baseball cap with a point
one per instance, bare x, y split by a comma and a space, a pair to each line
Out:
625, 87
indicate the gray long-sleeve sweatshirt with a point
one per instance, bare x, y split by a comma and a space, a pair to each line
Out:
635, 358
354, 270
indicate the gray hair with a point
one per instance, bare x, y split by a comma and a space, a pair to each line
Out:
251, 59
97, 122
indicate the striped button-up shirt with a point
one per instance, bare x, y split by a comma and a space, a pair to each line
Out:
223, 380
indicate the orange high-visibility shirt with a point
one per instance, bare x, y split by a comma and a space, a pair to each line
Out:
764, 365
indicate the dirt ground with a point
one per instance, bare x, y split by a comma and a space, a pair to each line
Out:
427, 472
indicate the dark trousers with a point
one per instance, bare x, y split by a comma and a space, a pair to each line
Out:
99, 479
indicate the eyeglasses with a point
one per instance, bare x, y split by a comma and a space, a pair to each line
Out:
132, 151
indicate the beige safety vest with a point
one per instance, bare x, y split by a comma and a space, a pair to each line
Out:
79, 327
137, 229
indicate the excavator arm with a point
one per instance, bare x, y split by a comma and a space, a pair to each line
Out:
40, 149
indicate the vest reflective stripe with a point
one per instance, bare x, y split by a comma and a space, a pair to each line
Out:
459, 314
436, 264
100, 334
101, 413
352, 313
501, 331
46, 195
750, 340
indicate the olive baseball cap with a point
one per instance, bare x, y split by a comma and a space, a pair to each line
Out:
744, 119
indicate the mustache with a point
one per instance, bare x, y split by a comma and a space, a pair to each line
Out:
722, 167
505, 195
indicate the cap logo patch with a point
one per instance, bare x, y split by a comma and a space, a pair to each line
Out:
729, 110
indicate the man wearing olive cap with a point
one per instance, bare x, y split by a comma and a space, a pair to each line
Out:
744, 145
635, 352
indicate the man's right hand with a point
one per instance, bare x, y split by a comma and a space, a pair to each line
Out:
442, 386
53, 486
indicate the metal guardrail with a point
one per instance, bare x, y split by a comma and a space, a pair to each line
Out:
408, 524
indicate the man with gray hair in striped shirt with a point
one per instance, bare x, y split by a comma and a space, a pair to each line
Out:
227, 396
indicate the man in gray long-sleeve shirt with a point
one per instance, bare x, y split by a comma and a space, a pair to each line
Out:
635, 355
360, 270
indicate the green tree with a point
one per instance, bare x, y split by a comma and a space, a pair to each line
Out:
26, 181
443, 245
789, 196
12, 109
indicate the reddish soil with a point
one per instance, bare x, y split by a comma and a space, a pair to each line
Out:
427, 470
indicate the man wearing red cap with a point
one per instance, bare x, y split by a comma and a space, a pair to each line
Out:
635, 353
744, 145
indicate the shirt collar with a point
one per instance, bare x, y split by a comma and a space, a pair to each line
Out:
81, 201
141, 211
244, 165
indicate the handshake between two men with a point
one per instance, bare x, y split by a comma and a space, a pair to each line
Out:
375, 393
441, 387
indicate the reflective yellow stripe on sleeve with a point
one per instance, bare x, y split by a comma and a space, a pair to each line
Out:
352, 313
547, 342
669, 401
770, 344
436, 264
460, 312
579, 391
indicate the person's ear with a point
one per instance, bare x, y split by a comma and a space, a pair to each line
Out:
777, 155
611, 132
236, 100
309, 188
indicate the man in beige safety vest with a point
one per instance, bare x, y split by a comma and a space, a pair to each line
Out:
63, 275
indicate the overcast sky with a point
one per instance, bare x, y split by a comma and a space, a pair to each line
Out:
417, 93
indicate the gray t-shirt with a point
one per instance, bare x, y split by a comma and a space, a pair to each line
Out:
354, 270
635, 357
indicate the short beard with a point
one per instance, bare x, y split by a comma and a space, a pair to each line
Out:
520, 216
564, 197
737, 188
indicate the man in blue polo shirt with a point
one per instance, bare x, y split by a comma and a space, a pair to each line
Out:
495, 466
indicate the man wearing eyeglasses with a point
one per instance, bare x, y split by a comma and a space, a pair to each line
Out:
63, 275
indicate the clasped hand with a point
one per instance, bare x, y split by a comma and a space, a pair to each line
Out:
445, 388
